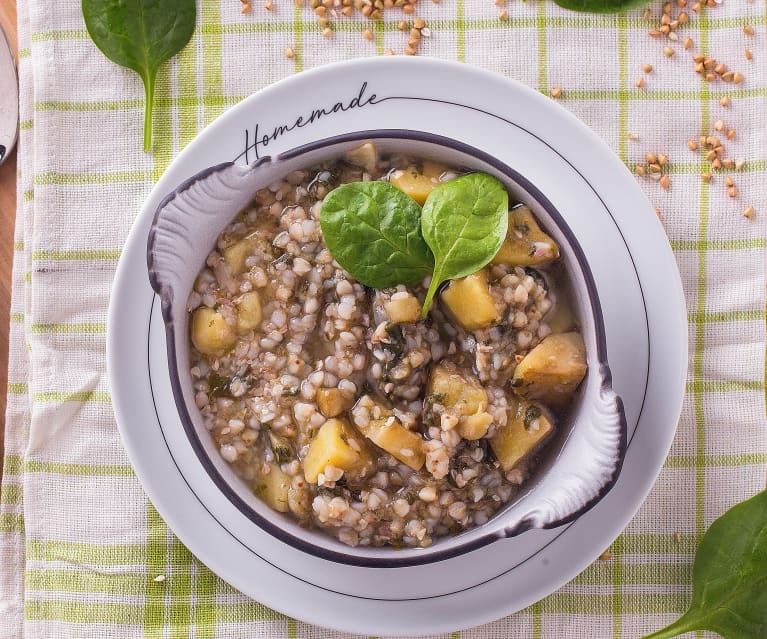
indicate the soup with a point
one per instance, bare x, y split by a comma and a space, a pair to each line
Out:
345, 407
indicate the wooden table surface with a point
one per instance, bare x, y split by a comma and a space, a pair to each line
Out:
7, 216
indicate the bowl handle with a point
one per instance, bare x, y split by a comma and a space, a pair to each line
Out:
586, 469
187, 223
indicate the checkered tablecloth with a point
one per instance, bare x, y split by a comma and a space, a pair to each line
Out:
80, 544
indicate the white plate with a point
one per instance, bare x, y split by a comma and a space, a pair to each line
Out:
638, 286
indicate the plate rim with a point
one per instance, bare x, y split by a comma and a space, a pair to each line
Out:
233, 113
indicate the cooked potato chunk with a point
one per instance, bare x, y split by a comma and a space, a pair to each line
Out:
457, 389
432, 169
403, 309
526, 244
398, 441
273, 488
211, 333
415, 184
332, 402
469, 301
552, 370
364, 155
236, 255
248, 311
462, 396
529, 427
561, 319
388, 432
474, 426
338, 444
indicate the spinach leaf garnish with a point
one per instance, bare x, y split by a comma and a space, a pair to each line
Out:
141, 35
382, 237
729, 577
373, 231
464, 222
600, 6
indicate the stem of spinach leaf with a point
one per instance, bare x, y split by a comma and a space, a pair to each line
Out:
149, 82
680, 626
436, 280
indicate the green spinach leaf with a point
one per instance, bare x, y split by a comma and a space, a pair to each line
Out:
730, 577
600, 6
464, 222
373, 231
140, 35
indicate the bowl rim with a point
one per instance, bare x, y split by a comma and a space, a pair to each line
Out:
419, 556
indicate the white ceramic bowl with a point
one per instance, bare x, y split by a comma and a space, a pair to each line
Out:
576, 471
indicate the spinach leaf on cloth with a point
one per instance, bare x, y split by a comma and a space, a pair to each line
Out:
140, 35
729, 577
464, 222
373, 231
600, 6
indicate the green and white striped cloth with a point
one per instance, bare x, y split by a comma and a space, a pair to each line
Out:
79, 542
